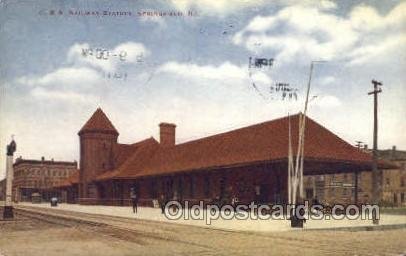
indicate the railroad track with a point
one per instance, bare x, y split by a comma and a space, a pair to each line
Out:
120, 228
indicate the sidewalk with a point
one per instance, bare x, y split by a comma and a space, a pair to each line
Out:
147, 213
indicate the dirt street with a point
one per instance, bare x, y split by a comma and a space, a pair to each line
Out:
28, 236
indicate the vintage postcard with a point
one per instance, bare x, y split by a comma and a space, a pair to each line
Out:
202, 127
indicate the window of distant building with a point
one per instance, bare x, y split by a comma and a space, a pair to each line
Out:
402, 197
387, 181
402, 182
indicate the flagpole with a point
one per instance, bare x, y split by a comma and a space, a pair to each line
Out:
298, 168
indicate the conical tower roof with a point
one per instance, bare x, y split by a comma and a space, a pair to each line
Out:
98, 122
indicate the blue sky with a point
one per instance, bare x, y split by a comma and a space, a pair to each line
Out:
194, 70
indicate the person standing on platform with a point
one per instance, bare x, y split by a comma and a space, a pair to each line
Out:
162, 202
134, 199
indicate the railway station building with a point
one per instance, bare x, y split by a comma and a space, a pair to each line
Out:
249, 163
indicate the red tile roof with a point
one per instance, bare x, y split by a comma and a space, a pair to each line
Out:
136, 155
71, 180
262, 142
98, 122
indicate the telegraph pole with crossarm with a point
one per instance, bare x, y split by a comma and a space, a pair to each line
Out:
376, 186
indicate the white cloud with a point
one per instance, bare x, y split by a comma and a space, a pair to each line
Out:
378, 50
63, 77
70, 85
221, 78
313, 32
66, 96
225, 71
366, 18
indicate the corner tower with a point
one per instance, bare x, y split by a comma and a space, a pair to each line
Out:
98, 137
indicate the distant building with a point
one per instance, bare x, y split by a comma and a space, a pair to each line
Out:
31, 176
394, 181
340, 188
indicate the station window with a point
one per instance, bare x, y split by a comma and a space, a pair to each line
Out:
192, 186
180, 186
153, 189
206, 186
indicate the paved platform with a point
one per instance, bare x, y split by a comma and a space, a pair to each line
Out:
147, 213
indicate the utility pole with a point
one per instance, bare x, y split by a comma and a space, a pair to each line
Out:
375, 174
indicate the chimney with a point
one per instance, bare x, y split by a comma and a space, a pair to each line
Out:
42, 158
167, 134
